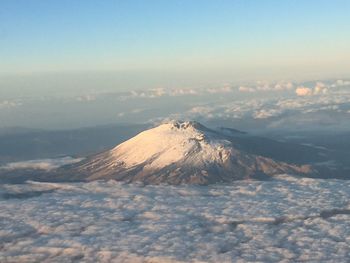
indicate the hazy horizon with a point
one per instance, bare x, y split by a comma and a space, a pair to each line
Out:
117, 45
67, 65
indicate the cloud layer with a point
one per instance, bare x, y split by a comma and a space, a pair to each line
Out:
286, 219
260, 100
319, 89
41, 164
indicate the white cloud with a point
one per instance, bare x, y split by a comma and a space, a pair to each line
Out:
268, 87
181, 92
246, 89
272, 221
135, 111
319, 89
41, 164
307, 109
341, 82
225, 89
6, 104
86, 98
263, 86
303, 91
160, 92
279, 86
201, 110
266, 113
283, 85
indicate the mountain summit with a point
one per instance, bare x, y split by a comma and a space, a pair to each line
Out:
180, 152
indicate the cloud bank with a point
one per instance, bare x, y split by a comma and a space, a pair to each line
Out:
283, 220
41, 164
319, 89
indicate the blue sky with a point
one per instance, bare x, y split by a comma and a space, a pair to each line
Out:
203, 38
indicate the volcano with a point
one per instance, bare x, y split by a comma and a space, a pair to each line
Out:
179, 152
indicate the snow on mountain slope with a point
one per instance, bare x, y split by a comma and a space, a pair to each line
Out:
180, 152
170, 143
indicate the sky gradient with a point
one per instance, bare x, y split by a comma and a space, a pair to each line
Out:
199, 40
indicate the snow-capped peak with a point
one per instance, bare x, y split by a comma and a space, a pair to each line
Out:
169, 143
180, 152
